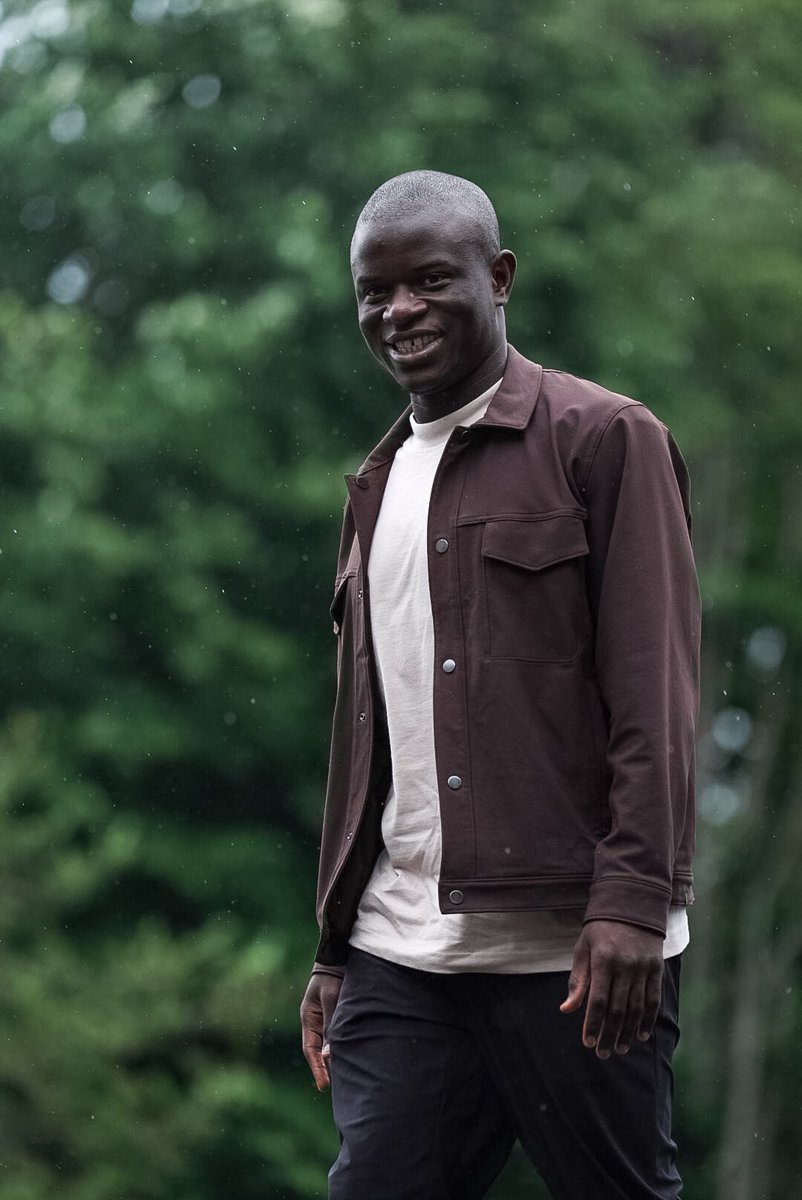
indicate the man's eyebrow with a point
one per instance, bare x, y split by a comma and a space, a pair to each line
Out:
436, 264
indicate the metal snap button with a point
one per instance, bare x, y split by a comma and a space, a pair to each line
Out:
454, 782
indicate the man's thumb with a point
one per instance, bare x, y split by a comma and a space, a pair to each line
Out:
578, 980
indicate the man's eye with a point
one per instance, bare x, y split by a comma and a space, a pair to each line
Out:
372, 290
434, 279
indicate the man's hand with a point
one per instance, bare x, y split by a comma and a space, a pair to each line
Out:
619, 968
317, 1009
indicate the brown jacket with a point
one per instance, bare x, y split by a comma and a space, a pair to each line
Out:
562, 584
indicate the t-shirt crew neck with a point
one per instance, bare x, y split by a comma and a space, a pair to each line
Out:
439, 430
399, 918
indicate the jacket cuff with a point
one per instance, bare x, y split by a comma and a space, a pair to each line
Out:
633, 901
322, 969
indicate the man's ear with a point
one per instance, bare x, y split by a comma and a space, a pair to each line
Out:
502, 272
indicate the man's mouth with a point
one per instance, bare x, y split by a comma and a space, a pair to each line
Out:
410, 347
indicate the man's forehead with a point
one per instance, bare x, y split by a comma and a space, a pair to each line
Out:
433, 229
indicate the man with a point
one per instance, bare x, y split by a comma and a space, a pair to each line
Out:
507, 842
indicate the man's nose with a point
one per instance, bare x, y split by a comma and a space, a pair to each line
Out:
403, 306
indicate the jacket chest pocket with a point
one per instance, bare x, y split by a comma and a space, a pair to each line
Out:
337, 607
347, 591
347, 597
535, 590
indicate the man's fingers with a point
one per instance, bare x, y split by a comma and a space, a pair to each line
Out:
624, 968
651, 1004
615, 1016
314, 1054
596, 1011
317, 1009
634, 1015
312, 1042
329, 1004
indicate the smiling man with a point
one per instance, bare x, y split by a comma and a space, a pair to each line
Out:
506, 855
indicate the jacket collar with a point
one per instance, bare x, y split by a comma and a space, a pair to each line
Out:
511, 408
514, 402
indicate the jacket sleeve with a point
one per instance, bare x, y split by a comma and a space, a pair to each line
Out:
645, 601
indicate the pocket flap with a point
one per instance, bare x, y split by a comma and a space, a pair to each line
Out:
537, 543
337, 605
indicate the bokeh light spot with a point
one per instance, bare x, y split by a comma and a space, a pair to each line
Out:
719, 803
55, 505
28, 57
50, 18
69, 281
164, 197
201, 91
69, 125
765, 649
38, 213
148, 12
732, 729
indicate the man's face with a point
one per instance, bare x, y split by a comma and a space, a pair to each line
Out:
428, 298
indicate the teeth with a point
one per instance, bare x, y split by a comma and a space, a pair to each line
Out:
413, 345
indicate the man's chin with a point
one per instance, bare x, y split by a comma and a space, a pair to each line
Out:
420, 382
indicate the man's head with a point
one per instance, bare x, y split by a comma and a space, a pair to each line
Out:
424, 191
431, 283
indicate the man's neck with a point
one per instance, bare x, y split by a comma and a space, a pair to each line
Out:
434, 405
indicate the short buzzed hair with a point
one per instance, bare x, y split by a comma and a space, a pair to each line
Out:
416, 191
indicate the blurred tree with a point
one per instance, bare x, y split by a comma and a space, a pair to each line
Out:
182, 387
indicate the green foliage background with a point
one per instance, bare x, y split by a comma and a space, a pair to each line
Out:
181, 387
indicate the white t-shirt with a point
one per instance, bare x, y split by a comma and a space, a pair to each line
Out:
399, 918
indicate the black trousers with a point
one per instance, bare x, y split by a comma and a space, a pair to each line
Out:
435, 1076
